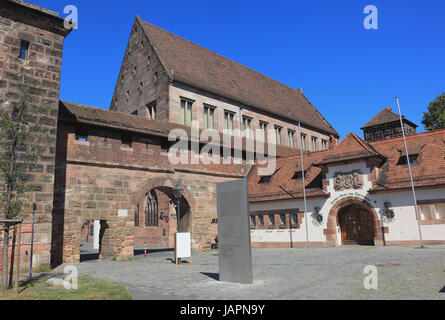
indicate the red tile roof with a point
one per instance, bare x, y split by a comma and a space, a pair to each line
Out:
287, 166
69, 111
189, 63
351, 147
429, 172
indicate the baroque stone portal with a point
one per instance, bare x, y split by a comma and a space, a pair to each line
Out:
349, 180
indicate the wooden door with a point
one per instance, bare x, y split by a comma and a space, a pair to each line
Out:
356, 227
366, 229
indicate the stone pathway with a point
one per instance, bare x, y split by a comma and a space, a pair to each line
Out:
318, 273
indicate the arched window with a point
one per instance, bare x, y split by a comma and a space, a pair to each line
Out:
151, 209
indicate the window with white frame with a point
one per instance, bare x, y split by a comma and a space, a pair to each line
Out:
247, 128
209, 117
303, 141
290, 137
228, 121
324, 145
263, 129
277, 135
432, 211
314, 144
186, 112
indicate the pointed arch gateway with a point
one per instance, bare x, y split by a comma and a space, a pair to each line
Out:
156, 212
358, 223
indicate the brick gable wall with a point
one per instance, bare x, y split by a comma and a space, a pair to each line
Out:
140, 55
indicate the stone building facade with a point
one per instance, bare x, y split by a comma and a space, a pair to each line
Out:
161, 69
112, 167
31, 49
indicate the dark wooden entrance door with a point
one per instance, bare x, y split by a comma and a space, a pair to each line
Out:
356, 226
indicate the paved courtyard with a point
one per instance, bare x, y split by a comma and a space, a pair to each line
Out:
317, 273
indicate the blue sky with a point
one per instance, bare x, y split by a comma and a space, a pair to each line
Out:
349, 73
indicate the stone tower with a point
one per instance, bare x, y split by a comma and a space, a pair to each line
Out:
386, 125
31, 44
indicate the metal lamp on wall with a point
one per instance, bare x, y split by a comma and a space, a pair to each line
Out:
177, 193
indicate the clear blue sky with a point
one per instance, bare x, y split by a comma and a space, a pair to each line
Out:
349, 73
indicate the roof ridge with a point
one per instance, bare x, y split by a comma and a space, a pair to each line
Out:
215, 53
364, 143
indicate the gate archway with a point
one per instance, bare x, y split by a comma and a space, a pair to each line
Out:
337, 212
156, 212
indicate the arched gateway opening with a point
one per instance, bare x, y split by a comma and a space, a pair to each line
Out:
155, 217
354, 221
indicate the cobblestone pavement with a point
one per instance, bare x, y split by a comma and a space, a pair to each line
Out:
317, 273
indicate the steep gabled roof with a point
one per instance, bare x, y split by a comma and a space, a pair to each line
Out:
191, 64
385, 116
351, 147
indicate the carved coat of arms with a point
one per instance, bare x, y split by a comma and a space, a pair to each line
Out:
349, 180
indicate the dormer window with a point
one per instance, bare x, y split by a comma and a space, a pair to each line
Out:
298, 175
82, 136
265, 179
413, 159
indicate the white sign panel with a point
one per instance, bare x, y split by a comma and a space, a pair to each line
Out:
183, 248
122, 213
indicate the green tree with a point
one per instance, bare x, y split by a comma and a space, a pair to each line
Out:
22, 142
435, 117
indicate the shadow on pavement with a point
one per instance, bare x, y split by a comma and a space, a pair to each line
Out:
214, 276
89, 256
137, 252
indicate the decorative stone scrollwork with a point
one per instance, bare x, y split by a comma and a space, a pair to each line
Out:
349, 180
388, 214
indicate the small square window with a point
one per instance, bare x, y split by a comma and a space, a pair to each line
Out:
81, 136
127, 141
265, 179
298, 175
413, 159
